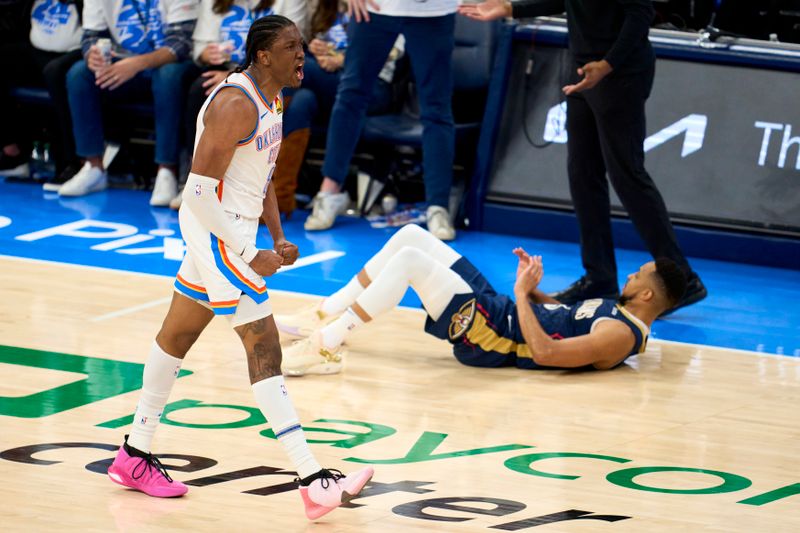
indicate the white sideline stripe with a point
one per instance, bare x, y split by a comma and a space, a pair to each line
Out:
311, 259
133, 309
416, 309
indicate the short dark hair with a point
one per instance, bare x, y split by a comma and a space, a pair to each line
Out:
671, 280
262, 34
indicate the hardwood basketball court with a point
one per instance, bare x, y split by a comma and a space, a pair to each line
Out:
682, 438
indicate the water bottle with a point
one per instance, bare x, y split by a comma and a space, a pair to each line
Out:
37, 160
48, 170
389, 204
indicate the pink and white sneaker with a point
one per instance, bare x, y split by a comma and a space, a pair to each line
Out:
144, 472
328, 489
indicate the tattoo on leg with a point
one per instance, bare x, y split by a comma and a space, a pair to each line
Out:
258, 327
264, 361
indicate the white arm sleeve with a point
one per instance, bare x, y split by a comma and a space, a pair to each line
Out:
200, 197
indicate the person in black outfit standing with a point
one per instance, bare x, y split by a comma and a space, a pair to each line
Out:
606, 131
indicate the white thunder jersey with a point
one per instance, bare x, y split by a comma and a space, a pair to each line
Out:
211, 272
246, 180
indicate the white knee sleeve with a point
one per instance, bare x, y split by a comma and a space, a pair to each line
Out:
411, 236
435, 283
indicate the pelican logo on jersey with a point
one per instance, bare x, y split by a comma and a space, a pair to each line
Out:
461, 322
141, 29
51, 14
234, 28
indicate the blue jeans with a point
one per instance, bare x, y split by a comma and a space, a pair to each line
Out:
163, 86
314, 100
429, 45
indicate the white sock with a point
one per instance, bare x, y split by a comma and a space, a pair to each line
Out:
343, 298
274, 402
333, 334
160, 372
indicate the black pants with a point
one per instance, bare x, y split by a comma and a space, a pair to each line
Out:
24, 65
606, 132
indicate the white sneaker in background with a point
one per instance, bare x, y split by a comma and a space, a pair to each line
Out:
177, 200
326, 207
308, 356
164, 189
89, 179
304, 322
439, 223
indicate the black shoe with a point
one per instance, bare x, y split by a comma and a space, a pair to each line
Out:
14, 166
53, 185
585, 289
695, 291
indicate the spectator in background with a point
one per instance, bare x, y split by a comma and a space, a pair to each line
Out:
41, 58
219, 46
315, 99
428, 29
151, 44
613, 76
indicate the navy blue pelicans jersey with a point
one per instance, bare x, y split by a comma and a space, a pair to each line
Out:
484, 330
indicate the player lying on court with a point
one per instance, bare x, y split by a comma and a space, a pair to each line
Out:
228, 190
486, 329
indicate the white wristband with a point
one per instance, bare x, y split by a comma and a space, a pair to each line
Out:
249, 253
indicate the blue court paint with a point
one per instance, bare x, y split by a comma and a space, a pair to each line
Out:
748, 308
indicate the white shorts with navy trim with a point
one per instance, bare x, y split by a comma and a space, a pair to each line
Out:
213, 273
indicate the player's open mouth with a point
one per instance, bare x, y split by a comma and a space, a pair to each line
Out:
298, 71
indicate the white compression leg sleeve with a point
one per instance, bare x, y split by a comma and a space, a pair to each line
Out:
160, 372
200, 197
409, 236
435, 284
274, 402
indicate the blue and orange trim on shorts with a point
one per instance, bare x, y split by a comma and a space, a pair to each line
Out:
196, 292
232, 274
191, 290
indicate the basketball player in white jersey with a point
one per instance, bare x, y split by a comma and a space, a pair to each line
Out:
228, 190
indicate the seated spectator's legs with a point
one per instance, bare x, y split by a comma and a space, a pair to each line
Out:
86, 110
19, 68
169, 91
300, 112
168, 95
55, 77
429, 43
194, 102
322, 83
85, 105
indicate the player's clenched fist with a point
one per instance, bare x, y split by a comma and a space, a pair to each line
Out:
266, 262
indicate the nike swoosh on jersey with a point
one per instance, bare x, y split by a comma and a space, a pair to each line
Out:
264, 115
